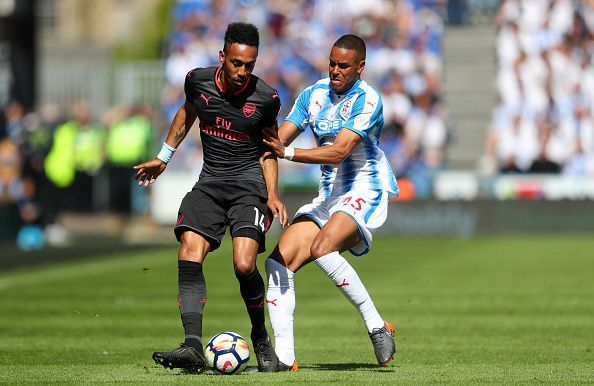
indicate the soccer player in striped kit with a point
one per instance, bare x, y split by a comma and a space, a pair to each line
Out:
345, 116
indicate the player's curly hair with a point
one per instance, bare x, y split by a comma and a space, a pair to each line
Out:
352, 42
241, 33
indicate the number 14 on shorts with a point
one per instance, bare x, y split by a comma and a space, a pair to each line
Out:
259, 220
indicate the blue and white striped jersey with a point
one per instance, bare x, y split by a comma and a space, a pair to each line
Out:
358, 110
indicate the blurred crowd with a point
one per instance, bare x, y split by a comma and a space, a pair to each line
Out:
76, 159
404, 61
543, 121
53, 161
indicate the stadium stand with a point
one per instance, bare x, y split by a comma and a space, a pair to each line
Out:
404, 61
543, 122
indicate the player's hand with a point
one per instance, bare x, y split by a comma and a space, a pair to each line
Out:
279, 210
147, 173
271, 140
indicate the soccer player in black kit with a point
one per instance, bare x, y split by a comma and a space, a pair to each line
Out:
233, 107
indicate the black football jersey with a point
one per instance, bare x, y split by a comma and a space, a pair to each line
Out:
231, 124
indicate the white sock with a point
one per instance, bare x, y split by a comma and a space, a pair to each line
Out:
346, 279
280, 297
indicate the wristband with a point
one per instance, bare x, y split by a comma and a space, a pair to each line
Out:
289, 153
166, 153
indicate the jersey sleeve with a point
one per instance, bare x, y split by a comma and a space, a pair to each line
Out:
272, 111
366, 114
190, 85
299, 114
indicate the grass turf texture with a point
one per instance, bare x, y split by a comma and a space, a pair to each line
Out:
501, 309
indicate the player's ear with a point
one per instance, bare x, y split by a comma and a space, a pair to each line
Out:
221, 57
361, 67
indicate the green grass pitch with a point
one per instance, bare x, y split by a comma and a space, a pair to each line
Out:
496, 309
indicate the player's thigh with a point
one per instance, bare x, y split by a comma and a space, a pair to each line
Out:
248, 213
340, 233
201, 213
367, 210
293, 248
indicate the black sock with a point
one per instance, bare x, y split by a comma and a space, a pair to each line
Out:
191, 300
252, 292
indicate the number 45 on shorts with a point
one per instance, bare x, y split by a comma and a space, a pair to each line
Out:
356, 203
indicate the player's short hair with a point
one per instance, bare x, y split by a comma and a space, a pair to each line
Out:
352, 42
241, 33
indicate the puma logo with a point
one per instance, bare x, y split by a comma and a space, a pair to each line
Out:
343, 284
273, 302
256, 306
205, 98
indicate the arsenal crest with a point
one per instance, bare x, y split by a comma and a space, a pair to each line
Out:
249, 109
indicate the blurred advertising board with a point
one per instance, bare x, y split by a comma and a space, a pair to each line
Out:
464, 205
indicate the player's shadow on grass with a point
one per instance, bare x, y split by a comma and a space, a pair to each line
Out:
348, 367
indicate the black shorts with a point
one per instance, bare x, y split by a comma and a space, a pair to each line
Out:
211, 206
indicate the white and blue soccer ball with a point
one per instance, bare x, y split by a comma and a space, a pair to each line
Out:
227, 353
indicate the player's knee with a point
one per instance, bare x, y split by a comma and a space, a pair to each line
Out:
244, 267
193, 247
191, 252
186, 253
319, 248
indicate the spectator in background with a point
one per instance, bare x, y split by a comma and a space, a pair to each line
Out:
2, 124
73, 160
19, 210
40, 130
89, 155
11, 188
129, 141
545, 86
11, 183
60, 170
14, 124
19, 205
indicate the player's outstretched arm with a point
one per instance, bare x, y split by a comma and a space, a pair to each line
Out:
277, 140
287, 133
147, 172
344, 143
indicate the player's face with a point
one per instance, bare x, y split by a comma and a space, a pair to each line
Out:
344, 69
238, 63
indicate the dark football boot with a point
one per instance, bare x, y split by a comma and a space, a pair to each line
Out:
184, 357
267, 358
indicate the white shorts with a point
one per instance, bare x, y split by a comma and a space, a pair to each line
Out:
368, 208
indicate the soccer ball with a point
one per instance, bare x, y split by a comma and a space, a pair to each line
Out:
227, 353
